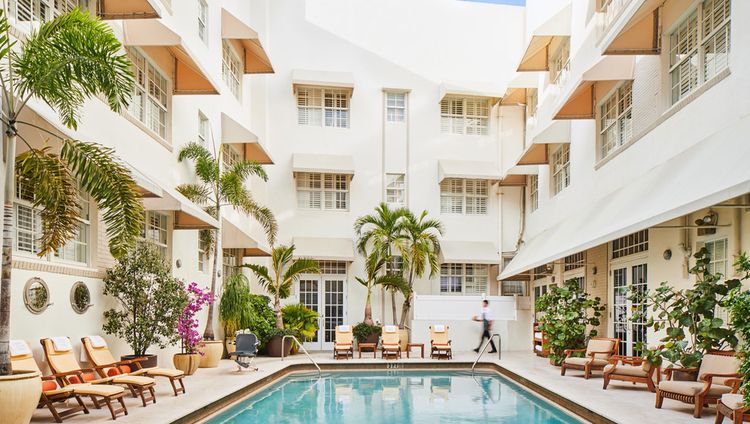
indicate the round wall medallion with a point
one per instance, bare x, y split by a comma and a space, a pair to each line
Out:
36, 295
80, 297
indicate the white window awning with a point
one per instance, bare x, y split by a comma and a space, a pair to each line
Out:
537, 152
233, 236
234, 133
128, 9
660, 194
468, 252
156, 38
517, 87
468, 169
544, 40
307, 77
187, 215
636, 31
516, 176
323, 164
471, 89
594, 84
256, 59
324, 248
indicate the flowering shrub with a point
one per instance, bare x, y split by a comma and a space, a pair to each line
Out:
187, 325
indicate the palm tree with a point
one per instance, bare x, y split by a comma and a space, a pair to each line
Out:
383, 231
419, 251
64, 63
219, 187
286, 271
373, 266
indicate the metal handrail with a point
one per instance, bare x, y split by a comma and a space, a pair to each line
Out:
283, 339
481, 352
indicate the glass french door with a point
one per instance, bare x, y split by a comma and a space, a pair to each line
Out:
325, 296
626, 327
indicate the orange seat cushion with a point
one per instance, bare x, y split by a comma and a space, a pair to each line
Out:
113, 372
48, 385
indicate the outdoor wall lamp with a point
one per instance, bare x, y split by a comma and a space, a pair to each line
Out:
667, 254
711, 218
178, 263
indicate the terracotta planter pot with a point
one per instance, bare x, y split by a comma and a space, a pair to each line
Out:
151, 361
274, 348
186, 362
212, 350
403, 338
19, 395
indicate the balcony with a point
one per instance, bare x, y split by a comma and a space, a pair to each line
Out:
630, 27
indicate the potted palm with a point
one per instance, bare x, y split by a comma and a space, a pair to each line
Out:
235, 308
286, 271
301, 321
187, 327
39, 65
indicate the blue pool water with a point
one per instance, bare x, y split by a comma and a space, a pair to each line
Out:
395, 397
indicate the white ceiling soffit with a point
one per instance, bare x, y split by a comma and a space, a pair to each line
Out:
324, 248
468, 252
187, 215
554, 133
467, 169
336, 164
308, 77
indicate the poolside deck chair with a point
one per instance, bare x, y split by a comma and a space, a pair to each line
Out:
53, 392
732, 406
440, 344
344, 343
717, 376
633, 369
247, 349
99, 354
596, 356
390, 345
59, 354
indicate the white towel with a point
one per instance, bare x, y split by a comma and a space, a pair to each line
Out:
344, 328
61, 344
439, 328
19, 347
390, 329
97, 341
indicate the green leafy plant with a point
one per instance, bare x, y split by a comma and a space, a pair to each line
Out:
262, 319
301, 320
373, 266
738, 305
568, 314
687, 316
63, 63
150, 299
362, 331
236, 306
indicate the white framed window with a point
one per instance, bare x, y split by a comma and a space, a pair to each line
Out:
465, 115
574, 261
466, 279
332, 267
155, 231
616, 119
395, 106
540, 272
231, 259
41, 10
203, 21
560, 63
718, 254
231, 68
229, 156
203, 129
395, 190
560, 168
534, 192
327, 107
699, 47
203, 249
513, 288
464, 196
532, 100
630, 244
322, 191
150, 103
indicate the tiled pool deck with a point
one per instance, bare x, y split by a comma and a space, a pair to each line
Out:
622, 402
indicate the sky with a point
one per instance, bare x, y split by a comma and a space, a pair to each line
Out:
511, 2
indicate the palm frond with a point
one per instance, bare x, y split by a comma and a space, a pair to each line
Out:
70, 59
206, 166
197, 193
109, 183
261, 272
234, 192
299, 267
245, 169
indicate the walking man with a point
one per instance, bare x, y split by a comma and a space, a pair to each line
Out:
486, 318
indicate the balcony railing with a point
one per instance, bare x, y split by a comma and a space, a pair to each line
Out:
39, 10
610, 10
561, 77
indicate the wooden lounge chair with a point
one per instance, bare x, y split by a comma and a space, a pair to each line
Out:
717, 375
390, 342
539, 341
440, 344
732, 406
62, 361
53, 392
596, 356
633, 369
344, 343
99, 354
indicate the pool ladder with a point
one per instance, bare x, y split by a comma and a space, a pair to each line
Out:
481, 352
283, 339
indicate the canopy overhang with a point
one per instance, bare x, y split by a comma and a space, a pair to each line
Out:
307, 77
517, 87
256, 59
534, 154
516, 176
636, 32
235, 134
471, 89
189, 76
187, 215
545, 39
322, 164
128, 9
467, 169
468, 252
324, 248
595, 83
234, 237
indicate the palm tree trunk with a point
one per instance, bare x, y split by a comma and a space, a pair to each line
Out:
208, 333
277, 309
368, 308
7, 261
406, 307
393, 306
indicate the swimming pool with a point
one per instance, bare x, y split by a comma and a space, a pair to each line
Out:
394, 397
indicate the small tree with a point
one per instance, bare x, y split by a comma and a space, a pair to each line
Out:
738, 304
235, 306
374, 278
187, 325
151, 300
688, 316
568, 314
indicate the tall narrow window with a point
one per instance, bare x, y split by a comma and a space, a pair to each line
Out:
150, 102
465, 115
322, 191
395, 107
231, 68
718, 256
203, 21
616, 119
203, 129
560, 63
395, 190
203, 249
534, 192
463, 196
531, 102
231, 259
155, 232
467, 279
323, 107
561, 168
